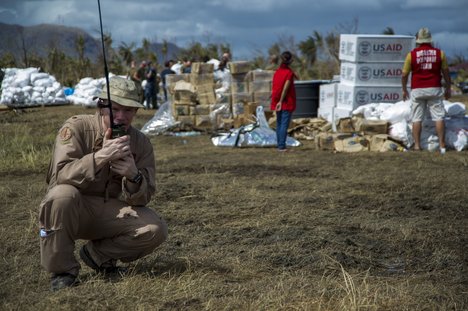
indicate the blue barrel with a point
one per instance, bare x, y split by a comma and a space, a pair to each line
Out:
307, 98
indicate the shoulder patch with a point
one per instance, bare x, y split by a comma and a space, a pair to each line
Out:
65, 134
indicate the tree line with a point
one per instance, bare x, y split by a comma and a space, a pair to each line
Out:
316, 57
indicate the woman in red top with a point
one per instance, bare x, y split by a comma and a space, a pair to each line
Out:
283, 98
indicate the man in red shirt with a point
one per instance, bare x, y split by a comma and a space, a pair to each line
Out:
427, 65
283, 98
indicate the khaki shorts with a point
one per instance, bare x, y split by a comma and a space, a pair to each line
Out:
427, 98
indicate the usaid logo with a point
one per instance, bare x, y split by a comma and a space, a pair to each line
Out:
365, 48
364, 73
362, 97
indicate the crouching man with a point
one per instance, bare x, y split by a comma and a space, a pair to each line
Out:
98, 191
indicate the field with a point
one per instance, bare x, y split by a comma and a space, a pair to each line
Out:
254, 229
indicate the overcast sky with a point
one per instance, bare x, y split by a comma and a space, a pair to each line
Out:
247, 25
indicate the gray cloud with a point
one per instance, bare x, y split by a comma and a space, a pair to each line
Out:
247, 24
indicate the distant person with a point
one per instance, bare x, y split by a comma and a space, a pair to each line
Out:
222, 78
427, 66
226, 57
283, 98
272, 62
139, 77
187, 65
166, 71
98, 189
177, 67
151, 87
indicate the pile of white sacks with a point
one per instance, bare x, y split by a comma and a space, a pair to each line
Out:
29, 87
398, 115
86, 90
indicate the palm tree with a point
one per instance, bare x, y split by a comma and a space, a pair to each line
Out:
126, 52
165, 49
308, 50
388, 31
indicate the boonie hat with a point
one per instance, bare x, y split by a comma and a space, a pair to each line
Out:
122, 91
424, 36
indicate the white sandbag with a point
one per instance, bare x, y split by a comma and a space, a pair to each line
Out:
397, 112
38, 75
429, 141
39, 89
44, 82
454, 109
372, 111
23, 77
85, 81
461, 142
402, 131
27, 89
36, 95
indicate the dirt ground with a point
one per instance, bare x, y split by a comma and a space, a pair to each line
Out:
254, 229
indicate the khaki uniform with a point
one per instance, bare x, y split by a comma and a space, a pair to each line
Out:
85, 203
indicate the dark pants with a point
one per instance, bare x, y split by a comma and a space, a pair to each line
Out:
151, 96
283, 118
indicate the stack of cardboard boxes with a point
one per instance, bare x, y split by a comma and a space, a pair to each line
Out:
194, 101
370, 72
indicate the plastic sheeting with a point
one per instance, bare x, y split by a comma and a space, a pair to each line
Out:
258, 134
162, 121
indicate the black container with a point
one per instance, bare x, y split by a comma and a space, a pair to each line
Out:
307, 98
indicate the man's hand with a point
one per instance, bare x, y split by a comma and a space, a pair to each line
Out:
405, 94
447, 93
125, 167
112, 149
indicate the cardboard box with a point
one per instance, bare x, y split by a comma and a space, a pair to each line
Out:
202, 68
327, 95
239, 67
224, 123
375, 48
382, 73
370, 127
352, 144
250, 109
262, 98
352, 96
202, 79
241, 98
200, 109
181, 110
206, 94
326, 141
384, 143
186, 120
345, 125
239, 83
203, 122
171, 80
338, 114
260, 75
260, 86
326, 113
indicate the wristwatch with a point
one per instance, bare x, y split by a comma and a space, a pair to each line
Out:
137, 179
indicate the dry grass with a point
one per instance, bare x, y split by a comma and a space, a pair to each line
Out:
251, 229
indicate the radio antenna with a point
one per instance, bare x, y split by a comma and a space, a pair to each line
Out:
106, 70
